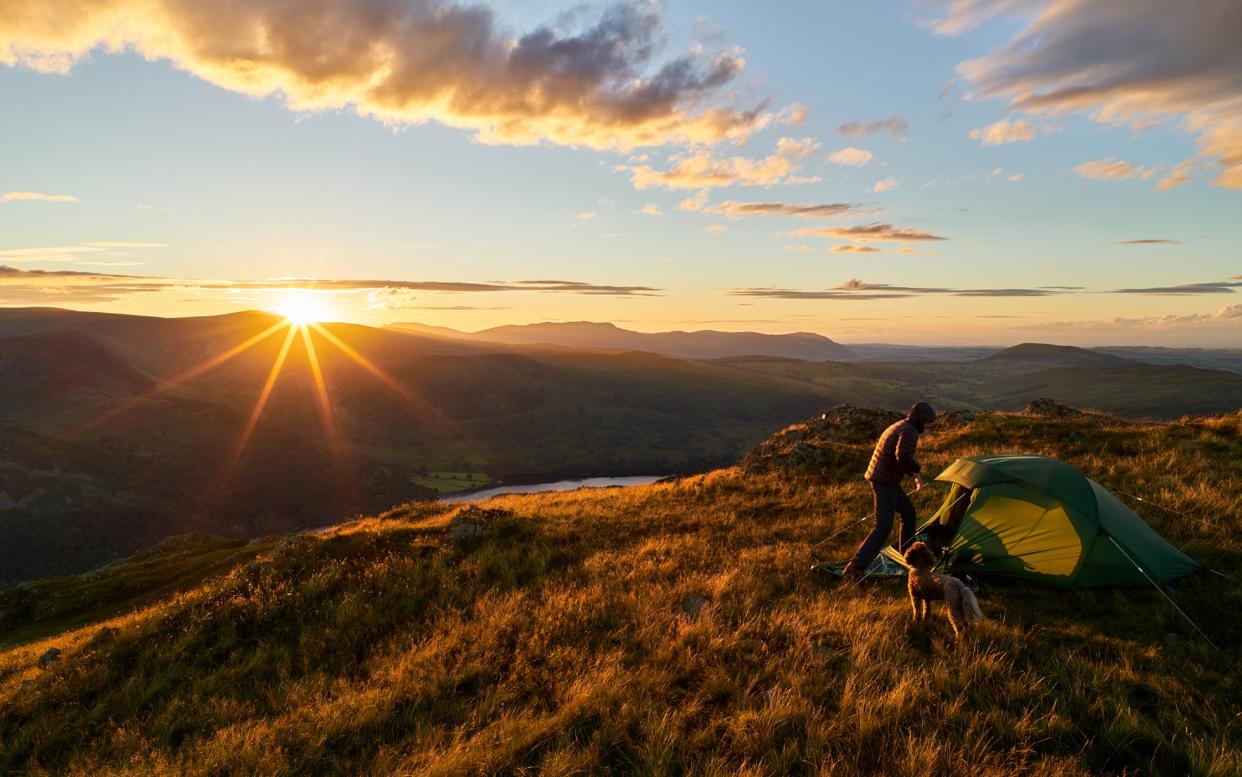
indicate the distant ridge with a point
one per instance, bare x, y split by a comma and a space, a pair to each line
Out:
1056, 356
703, 344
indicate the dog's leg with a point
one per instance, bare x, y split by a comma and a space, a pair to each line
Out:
914, 605
953, 604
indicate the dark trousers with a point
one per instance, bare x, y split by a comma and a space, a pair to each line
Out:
888, 500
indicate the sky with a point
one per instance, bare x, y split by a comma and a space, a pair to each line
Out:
958, 172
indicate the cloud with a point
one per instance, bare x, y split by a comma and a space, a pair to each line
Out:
586, 215
796, 147
9, 272
694, 202
702, 171
820, 211
851, 157
1188, 289
714, 229
1014, 177
914, 252
1180, 174
794, 114
849, 248
1146, 242
1227, 315
870, 233
607, 84
61, 287
18, 286
1004, 131
35, 196
70, 253
893, 125
885, 185
1110, 169
799, 249
1136, 62
650, 210
860, 290
46, 253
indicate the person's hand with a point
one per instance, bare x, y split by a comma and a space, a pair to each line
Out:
918, 483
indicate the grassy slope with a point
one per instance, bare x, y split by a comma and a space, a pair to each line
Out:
559, 643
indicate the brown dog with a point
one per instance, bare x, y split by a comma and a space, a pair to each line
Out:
926, 586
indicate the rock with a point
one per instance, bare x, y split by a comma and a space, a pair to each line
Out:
1047, 408
838, 440
293, 544
473, 521
693, 605
52, 654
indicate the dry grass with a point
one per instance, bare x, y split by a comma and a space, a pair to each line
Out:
559, 644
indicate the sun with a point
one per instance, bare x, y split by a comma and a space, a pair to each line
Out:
303, 308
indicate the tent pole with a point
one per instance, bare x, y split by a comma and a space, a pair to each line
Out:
1161, 590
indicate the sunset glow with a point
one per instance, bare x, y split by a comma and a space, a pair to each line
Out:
690, 166
303, 307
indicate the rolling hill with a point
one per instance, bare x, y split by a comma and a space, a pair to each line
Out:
131, 392
123, 430
1044, 355
664, 629
704, 344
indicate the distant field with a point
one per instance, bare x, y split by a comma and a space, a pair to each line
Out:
449, 482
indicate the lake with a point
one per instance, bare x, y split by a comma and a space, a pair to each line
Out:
559, 485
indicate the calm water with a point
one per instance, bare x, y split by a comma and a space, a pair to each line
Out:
559, 485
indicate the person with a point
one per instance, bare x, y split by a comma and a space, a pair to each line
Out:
892, 459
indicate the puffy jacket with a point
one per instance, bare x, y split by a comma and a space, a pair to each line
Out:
893, 457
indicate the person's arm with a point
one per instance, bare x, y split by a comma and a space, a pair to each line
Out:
906, 445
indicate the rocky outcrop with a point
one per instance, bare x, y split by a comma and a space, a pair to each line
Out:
473, 521
838, 439
1047, 408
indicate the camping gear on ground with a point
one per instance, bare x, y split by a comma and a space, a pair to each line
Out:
1037, 519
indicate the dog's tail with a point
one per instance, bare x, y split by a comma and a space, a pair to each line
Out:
973, 613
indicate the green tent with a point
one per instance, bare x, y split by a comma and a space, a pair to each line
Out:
1035, 518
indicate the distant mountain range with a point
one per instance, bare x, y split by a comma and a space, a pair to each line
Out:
704, 344
117, 431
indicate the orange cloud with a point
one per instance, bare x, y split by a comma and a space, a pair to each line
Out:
870, 233
851, 157
702, 171
35, 196
1110, 169
1005, 131
1138, 62
603, 86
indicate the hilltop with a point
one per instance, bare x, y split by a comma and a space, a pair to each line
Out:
702, 344
664, 629
1046, 355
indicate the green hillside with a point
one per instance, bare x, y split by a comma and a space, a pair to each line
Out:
656, 630
125, 403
